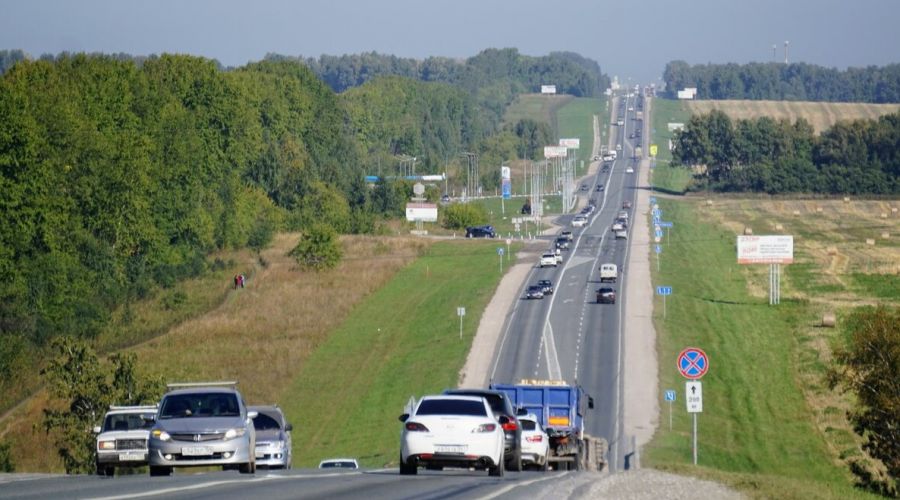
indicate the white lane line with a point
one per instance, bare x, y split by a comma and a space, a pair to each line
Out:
553, 368
178, 489
507, 489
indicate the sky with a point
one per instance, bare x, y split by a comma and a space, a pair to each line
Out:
631, 39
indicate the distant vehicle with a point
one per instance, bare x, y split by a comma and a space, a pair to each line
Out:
618, 147
622, 235
535, 442
339, 463
547, 286
445, 199
617, 226
503, 409
622, 215
534, 292
562, 243
606, 296
567, 235
600, 187
630, 108
609, 273
615, 154
273, 437
480, 232
626, 204
620, 123
122, 439
584, 187
203, 424
548, 259
579, 221
558, 255
608, 157
452, 431
629, 170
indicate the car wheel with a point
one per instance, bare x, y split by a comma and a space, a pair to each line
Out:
497, 470
160, 471
546, 465
103, 470
247, 468
516, 463
407, 469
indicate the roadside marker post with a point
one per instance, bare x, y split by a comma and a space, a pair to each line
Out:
664, 291
658, 251
500, 253
693, 364
460, 311
670, 398
508, 241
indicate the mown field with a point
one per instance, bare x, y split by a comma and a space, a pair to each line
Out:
770, 426
665, 177
822, 115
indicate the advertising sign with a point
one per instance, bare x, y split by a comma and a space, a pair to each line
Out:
773, 249
555, 151
506, 187
653, 149
573, 143
504, 173
425, 212
548, 89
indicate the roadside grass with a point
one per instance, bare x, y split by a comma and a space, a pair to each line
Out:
821, 115
668, 179
401, 342
503, 224
576, 120
261, 335
538, 107
770, 427
664, 177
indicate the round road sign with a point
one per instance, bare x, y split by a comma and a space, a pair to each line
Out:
692, 363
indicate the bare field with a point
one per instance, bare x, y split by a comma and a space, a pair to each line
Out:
261, 335
538, 107
822, 115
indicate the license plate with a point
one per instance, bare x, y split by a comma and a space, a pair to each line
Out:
450, 448
132, 457
196, 451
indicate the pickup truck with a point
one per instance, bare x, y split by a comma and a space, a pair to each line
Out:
548, 259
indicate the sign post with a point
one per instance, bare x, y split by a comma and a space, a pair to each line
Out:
693, 364
508, 241
500, 253
670, 398
664, 291
658, 251
460, 311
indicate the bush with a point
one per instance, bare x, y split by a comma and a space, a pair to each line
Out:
318, 248
463, 215
6, 463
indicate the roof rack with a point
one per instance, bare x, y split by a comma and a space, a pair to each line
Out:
135, 407
182, 385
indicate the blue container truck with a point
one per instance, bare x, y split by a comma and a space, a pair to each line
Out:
561, 408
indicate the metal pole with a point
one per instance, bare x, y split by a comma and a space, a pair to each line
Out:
664, 307
670, 415
657, 261
460, 327
695, 439
501, 263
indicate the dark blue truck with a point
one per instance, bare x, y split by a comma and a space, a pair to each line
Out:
561, 409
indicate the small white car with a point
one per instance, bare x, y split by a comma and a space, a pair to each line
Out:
579, 221
558, 256
548, 259
617, 226
621, 235
535, 442
452, 431
122, 439
629, 170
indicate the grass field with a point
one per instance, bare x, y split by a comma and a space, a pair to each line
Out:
665, 177
576, 119
503, 224
541, 108
822, 115
770, 426
402, 341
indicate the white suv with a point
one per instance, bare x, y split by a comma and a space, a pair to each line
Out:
122, 439
548, 259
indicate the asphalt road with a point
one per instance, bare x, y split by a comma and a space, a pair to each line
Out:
568, 336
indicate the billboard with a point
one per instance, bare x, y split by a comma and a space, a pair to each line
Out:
425, 212
570, 143
555, 152
504, 173
653, 150
506, 186
774, 249
548, 89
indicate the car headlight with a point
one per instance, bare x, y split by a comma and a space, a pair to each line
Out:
107, 445
233, 433
161, 435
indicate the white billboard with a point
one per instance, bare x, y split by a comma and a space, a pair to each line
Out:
555, 152
548, 89
573, 143
774, 249
425, 212
504, 173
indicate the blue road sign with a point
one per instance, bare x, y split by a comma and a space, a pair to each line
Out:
653, 200
663, 290
657, 212
499, 250
665, 224
656, 219
659, 233
658, 249
670, 395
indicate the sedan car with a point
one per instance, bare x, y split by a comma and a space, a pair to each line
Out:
452, 431
622, 235
626, 204
629, 170
503, 410
606, 296
203, 425
122, 439
579, 221
273, 437
547, 285
562, 243
534, 292
535, 442
600, 187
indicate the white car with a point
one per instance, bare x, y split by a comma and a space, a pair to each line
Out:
535, 442
579, 221
558, 256
548, 259
452, 431
617, 226
122, 439
621, 235
629, 170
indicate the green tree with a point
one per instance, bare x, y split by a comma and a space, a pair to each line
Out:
318, 249
462, 215
6, 462
869, 366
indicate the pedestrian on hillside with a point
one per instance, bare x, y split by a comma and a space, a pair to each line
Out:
236, 278
242, 281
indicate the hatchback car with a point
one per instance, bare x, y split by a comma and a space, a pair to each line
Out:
503, 410
534, 292
548, 259
535, 442
452, 431
547, 285
621, 235
273, 437
579, 221
562, 243
205, 424
626, 204
122, 439
480, 232
606, 296
629, 170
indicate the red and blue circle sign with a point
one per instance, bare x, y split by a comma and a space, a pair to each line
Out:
693, 363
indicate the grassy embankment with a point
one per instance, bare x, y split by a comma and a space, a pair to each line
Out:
402, 341
576, 119
821, 115
770, 426
668, 179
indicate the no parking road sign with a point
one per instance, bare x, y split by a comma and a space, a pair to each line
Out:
693, 363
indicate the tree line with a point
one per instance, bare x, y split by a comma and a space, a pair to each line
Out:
777, 156
785, 82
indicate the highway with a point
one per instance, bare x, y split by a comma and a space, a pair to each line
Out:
568, 336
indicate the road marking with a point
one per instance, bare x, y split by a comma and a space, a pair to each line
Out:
507, 489
553, 369
178, 489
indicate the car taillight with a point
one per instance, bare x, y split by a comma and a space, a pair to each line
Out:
485, 428
416, 427
510, 426
534, 439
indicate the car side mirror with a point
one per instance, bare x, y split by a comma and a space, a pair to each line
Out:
252, 414
521, 412
288, 427
591, 403
96, 429
503, 420
403, 417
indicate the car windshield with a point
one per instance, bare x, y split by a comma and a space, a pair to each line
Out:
212, 404
337, 464
451, 407
495, 401
528, 425
263, 422
128, 421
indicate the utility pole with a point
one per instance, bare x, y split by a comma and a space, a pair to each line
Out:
786, 43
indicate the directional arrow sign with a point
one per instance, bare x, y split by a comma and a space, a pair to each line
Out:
666, 224
670, 395
693, 396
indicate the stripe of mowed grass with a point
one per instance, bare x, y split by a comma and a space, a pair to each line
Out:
576, 119
402, 341
756, 430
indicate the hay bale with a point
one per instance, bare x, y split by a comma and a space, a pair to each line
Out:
846, 199
893, 210
829, 320
709, 203
779, 227
818, 210
748, 231
832, 250
796, 212
870, 241
885, 236
884, 215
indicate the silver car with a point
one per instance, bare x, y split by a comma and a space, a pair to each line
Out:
273, 437
122, 439
203, 424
